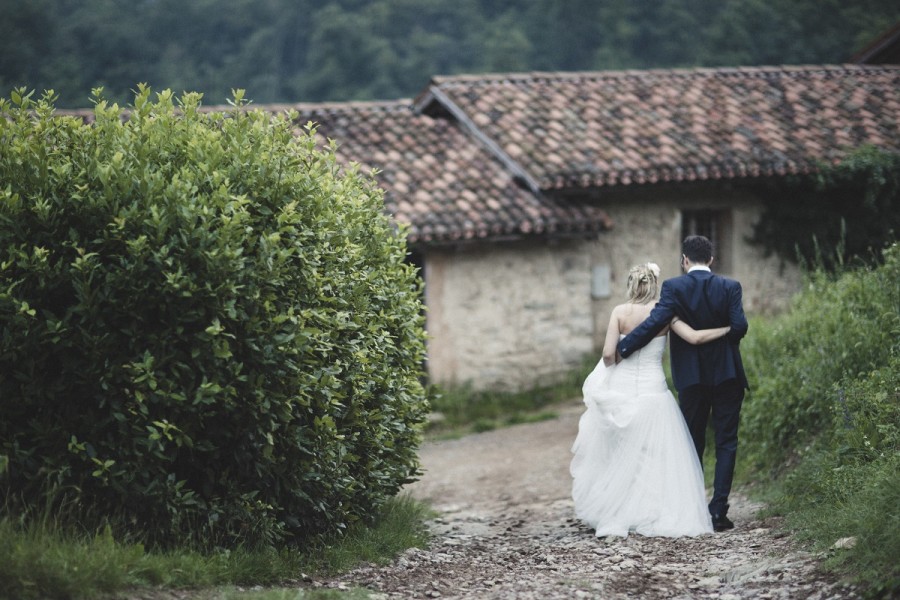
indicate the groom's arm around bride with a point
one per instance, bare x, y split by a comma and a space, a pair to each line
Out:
709, 377
703, 300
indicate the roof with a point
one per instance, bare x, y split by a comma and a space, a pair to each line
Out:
618, 128
439, 180
486, 157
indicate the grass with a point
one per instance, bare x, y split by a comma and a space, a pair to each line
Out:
400, 526
462, 410
863, 508
820, 432
40, 560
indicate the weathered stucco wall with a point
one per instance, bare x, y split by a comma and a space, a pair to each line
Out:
648, 228
507, 316
513, 315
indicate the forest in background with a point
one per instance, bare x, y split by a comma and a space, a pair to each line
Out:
313, 51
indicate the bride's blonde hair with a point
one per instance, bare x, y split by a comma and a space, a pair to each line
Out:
643, 283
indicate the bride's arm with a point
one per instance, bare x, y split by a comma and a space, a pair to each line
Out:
696, 336
612, 339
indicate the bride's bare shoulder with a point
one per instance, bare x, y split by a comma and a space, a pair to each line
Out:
629, 308
626, 306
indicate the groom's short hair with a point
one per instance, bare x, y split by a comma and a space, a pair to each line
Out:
697, 248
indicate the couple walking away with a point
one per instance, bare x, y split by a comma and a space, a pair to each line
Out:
637, 459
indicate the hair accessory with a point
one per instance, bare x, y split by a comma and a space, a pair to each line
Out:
654, 268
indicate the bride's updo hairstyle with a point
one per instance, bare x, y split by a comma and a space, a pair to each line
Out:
643, 283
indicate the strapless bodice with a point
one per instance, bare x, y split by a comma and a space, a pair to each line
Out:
642, 371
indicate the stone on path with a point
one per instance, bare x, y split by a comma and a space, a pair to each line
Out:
506, 529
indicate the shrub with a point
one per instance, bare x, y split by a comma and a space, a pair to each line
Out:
838, 326
848, 487
826, 398
207, 330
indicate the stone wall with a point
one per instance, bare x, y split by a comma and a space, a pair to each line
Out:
512, 315
647, 227
509, 315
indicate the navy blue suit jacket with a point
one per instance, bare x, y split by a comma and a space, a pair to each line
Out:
703, 300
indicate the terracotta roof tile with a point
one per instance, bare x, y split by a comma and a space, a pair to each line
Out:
438, 179
469, 161
632, 127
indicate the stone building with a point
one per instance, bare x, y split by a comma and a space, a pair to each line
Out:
528, 196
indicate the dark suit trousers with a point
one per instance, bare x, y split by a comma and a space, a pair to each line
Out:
724, 401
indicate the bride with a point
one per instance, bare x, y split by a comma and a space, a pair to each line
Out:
634, 468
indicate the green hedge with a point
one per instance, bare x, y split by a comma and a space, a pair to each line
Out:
207, 330
838, 326
847, 485
824, 418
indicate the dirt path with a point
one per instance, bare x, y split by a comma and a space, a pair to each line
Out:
506, 530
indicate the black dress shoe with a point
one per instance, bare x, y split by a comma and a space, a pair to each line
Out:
721, 523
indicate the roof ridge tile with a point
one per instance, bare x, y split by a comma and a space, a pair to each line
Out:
613, 74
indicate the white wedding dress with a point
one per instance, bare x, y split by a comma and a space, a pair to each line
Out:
635, 469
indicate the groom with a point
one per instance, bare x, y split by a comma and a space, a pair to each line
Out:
708, 377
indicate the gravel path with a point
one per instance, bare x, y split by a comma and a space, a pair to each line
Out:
506, 530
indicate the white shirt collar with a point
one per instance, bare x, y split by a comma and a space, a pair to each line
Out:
699, 268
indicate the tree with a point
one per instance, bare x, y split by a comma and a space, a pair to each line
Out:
24, 41
291, 50
506, 49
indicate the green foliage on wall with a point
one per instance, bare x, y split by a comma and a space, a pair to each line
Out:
844, 212
207, 330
